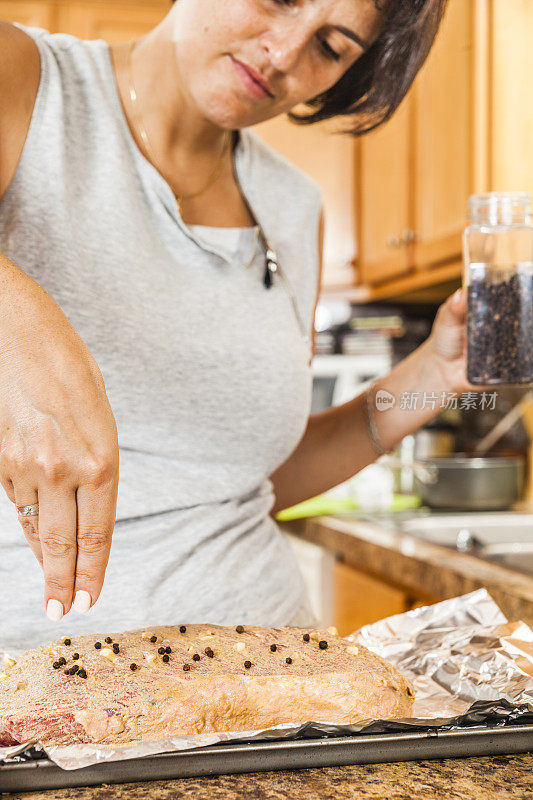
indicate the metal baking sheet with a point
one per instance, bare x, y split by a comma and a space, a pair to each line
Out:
274, 755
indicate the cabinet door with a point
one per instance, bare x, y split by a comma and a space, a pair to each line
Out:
360, 599
32, 14
329, 158
511, 113
114, 22
443, 137
383, 198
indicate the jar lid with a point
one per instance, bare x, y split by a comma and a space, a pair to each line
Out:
500, 208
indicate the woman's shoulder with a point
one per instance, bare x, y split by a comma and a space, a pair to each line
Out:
71, 56
277, 168
41, 35
19, 65
70, 98
75, 76
19, 84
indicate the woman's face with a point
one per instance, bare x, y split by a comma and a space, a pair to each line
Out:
244, 61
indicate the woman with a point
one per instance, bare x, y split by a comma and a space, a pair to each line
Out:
158, 276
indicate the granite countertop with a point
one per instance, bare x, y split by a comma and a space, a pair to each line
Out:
502, 777
417, 565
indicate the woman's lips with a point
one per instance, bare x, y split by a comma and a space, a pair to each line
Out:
256, 85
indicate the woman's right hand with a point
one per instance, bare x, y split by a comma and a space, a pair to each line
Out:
58, 442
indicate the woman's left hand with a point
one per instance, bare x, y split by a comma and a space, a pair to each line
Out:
447, 343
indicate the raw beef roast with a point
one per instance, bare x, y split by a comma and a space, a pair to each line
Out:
148, 684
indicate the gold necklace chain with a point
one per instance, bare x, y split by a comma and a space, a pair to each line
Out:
271, 259
148, 147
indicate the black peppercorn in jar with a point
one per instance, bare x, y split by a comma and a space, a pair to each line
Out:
498, 271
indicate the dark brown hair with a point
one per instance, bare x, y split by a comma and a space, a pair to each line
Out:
373, 88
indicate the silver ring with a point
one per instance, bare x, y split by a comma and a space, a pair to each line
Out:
28, 511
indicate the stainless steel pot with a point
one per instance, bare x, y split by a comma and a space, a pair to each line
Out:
470, 483
424, 443
433, 443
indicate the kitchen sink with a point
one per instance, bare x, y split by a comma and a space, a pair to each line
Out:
505, 537
488, 527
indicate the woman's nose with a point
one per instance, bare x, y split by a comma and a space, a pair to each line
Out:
285, 48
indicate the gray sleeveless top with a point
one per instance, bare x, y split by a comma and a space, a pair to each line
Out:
207, 372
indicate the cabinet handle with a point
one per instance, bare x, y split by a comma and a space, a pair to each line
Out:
393, 241
408, 236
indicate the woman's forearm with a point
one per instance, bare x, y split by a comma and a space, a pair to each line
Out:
337, 442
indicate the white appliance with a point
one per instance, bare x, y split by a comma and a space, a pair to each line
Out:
316, 565
339, 378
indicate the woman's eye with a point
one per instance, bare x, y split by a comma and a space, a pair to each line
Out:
329, 51
325, 47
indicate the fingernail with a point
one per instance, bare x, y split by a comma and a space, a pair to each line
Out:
457, 295
54, 610
82, 602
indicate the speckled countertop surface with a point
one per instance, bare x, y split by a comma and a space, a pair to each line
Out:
417, 565
486, 778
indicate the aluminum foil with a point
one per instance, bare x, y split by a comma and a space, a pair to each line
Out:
469, 666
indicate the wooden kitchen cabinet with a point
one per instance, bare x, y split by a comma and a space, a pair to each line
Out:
114, 22
410, 178
472, 127
443, 140
329, 158
509, 111
360, 599
111, 20
33, 14
415, 172
384, 198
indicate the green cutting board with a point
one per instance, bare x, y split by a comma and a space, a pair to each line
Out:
323, 505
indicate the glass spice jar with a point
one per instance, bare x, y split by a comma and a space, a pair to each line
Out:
498, 275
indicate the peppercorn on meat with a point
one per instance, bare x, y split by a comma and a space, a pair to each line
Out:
147, 684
